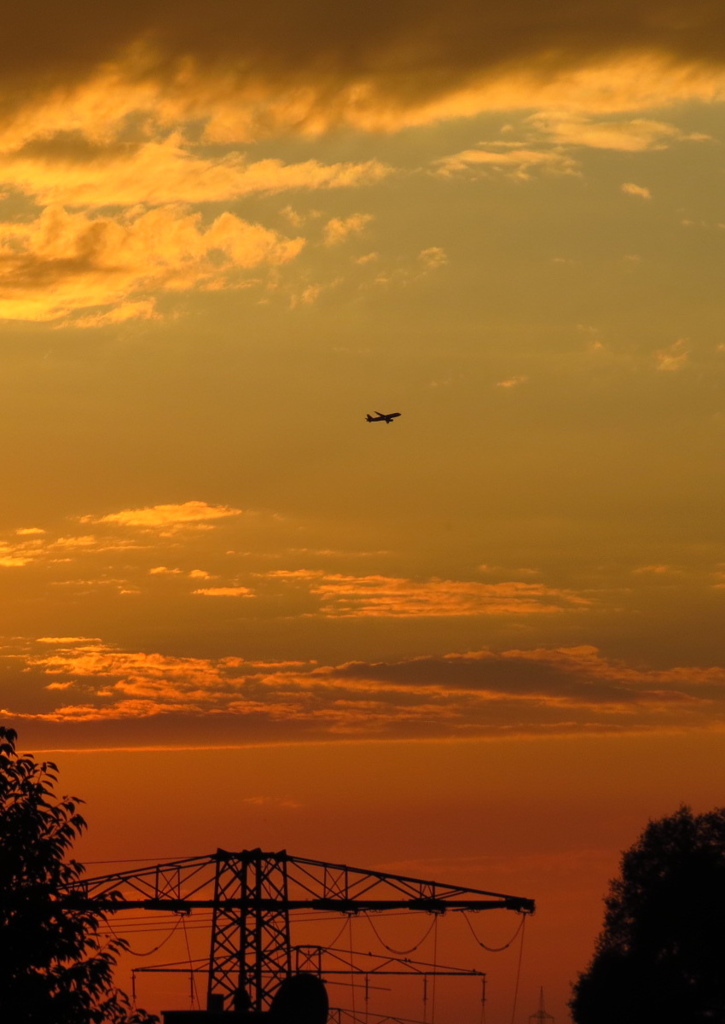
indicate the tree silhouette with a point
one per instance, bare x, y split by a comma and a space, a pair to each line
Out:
55, 966
661, 954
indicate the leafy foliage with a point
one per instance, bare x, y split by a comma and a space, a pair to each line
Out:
661, 952
55, 966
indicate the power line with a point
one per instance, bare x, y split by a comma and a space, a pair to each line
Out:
392, 949
518, 969
495, 949
155, 949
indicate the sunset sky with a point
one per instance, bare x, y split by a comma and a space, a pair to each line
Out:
483, 643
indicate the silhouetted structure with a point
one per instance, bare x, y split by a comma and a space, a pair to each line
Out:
382, 417
541, 1016
251, 895
661, 952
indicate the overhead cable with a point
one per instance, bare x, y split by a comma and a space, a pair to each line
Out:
495, 949
392, 949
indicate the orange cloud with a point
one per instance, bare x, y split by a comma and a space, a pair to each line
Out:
144, 309
633, 135
674, 357
63, 549
433, 257
292, 574
340, 228
244, 74
478, 693
63, 262
376, 596
517, 162
630, 189
225, 592
65, 169
138, 116
165, 517
151, 528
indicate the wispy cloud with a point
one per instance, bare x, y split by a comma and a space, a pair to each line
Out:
476, 693
65, 169
631, 135
674, 357
433, 257
165, 517
122, 533
144, 309
340, 228
630, 189
225, 592
16, 554
381, 596
518, 163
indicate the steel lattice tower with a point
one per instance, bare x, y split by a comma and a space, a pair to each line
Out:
250, 940
541, 1016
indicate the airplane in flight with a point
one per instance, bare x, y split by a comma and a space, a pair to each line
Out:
382, 417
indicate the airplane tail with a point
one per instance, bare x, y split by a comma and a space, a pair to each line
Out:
369, 418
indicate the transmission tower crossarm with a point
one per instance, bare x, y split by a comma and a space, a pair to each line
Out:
185, 885
341, 879
340, 906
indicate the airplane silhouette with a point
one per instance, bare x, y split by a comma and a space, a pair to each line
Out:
382, 417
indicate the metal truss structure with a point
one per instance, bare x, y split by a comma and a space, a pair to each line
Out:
326, 960
251, 895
